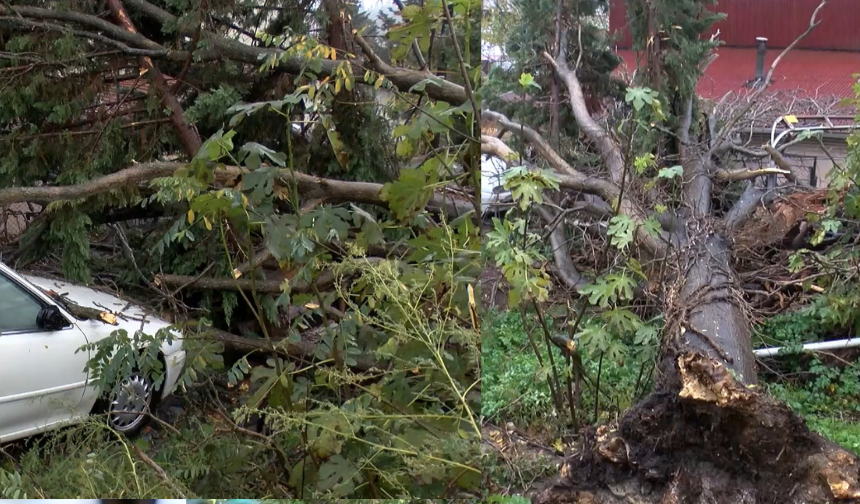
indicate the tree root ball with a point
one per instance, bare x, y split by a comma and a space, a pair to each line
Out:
707, 439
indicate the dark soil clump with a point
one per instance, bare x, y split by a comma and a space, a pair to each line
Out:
708, 439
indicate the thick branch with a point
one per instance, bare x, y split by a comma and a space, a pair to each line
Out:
114, 31
303, 350
744, 174
402, 78
496, 147
323, 282
330, 190
596, 133
781, 162
225, 48
570, 178
745, 206
567, 271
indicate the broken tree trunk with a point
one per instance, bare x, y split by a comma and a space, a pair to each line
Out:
706, 308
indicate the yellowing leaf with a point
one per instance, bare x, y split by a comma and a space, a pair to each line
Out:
191, 216
207, 224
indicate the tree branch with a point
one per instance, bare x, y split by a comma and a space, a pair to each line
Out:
225, 48
496, 147
745, 174
323, 282
303, 350
567, 271
330, 190
781, 162
745, 206
727, 129
570, 178
605, 143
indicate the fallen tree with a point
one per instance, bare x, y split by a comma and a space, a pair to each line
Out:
706, 433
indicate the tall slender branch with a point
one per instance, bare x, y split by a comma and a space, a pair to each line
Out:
607, 145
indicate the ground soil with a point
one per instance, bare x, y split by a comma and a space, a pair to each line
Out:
708, 440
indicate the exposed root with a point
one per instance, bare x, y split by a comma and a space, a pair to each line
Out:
709, 440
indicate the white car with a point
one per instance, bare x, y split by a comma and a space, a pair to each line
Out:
43, 381
494, 197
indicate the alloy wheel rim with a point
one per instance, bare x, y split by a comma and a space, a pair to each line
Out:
130, 404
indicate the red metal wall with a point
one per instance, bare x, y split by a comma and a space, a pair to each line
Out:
781, 21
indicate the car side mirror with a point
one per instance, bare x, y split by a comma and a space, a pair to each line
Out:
50, 318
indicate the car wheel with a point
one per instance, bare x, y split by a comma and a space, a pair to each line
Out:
130, 406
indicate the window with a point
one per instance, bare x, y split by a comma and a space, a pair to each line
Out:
18, 309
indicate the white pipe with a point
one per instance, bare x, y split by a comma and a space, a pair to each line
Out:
811, 347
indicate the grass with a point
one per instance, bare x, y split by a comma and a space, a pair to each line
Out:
515, 387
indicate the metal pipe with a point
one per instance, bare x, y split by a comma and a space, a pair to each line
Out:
809, 347
761, 43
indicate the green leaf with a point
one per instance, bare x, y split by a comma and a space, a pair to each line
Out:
652, 226
436, 81
404, 148
527, 186
642, 163
527, 80
671, 172
336, 476
621, 228
408, 194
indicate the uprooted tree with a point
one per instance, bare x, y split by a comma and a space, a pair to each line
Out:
660, 180
283, 182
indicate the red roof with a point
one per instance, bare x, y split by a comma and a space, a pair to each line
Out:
804, 73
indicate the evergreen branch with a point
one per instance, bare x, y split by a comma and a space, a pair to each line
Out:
188, 135
226, 48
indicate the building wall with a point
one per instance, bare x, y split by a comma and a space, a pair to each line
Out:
781, 21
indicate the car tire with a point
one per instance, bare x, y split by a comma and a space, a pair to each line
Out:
129, 408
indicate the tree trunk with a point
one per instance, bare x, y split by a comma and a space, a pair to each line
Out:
707, 313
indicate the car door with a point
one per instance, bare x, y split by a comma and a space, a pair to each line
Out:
42, 378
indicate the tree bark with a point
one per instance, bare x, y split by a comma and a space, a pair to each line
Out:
709, 316
323, 282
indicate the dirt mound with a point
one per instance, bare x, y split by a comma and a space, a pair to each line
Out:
709, 440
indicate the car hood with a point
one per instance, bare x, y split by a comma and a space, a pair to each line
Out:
91, 298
